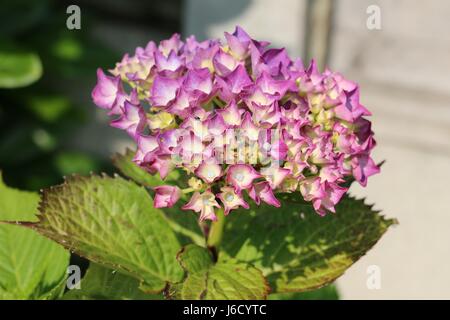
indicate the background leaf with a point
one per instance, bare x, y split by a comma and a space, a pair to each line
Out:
31, 266
208, 281
101, 283
18, 68
112, 221
17, 204
298, 250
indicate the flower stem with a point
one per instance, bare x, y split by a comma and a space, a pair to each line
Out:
216, 231
187, 190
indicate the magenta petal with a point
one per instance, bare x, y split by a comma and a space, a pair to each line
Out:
238, 48
106, 90
203, 203
263, 191
168, 140
203, 57
172, 44
238, 79
181, 104
231, 200
166, 196
147, 148
164, 90
161, 165
198, 81
216, 125
279, 150
171, 63
364, 167
249, 129
224, 63
277, 60
332, 195
209, 172
311, 189
231, 114
350, 109
234, 83
241, 176
272, 86
275, 175
133, 119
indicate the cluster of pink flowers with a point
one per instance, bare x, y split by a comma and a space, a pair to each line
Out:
282, 127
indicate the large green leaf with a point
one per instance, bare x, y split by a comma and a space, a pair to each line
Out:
112, 221
329, 292
101, 283
18, 68
184, 223
298, 250
206, 280
31, 266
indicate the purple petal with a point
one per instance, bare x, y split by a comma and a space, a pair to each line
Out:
164, 90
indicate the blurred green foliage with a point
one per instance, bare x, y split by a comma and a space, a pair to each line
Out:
42, 65
17, 67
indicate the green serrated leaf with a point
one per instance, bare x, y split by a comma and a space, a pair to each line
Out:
184, 223
18, 68
102, 283
112, 221
194, 259
208, 281
325, 293
298, 250
31, 266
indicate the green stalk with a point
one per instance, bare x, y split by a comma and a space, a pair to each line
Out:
216, 231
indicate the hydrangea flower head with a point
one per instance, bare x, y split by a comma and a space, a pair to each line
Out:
244, 120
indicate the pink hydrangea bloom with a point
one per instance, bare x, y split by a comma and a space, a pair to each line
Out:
245, 120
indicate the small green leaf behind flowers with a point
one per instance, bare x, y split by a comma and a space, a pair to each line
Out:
206, 280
